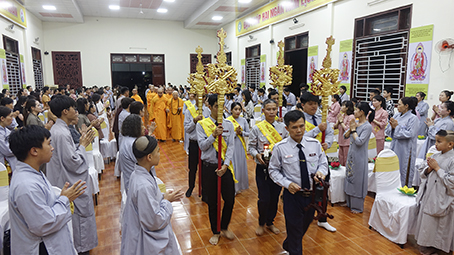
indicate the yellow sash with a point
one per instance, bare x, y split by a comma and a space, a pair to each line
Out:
191, 108
309, 127
235, 126
209, 127
41, 117
270, 133
372, 144
103, 125
4, 179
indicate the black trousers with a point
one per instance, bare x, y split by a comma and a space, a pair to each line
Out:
323, 219
210, 184
268, 196
42, 249
193, 162
297, 221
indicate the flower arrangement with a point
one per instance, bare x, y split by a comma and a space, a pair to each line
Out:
388, 139
407, 191
334, 165
421, 137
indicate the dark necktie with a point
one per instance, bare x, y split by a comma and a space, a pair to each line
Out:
303, 168
314, 121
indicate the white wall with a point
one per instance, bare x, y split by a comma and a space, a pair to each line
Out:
338, 19
25, 38
97, 38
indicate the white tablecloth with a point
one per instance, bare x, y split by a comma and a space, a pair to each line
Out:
336, 188
419, 145
4, 215
372, 185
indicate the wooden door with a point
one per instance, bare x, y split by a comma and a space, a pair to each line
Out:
67, 68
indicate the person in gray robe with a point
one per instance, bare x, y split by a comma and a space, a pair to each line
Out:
39, 217
146, 228
443, 123
402, 128
123, 115
435, 200
423, 109
239, 153
6, 155
356, 178
69, 164
132, 128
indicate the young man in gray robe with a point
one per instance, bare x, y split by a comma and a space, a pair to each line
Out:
146, 228
39, 217
69, 164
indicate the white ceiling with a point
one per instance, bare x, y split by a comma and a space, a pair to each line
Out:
195, 14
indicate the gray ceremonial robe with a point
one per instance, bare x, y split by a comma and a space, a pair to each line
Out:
445, 123
239, 158
356, 175
126, 159
69, 164
435, 220
5, 151
404, 143
146, 228
38, 214
423, 109
32, 119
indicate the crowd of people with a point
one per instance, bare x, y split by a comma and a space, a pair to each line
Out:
45, 134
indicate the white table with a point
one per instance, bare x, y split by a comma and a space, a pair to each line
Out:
336, 189
419, 145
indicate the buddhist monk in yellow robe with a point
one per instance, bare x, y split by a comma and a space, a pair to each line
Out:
137, 98
175, 114
159, 103
150, 95
168, 96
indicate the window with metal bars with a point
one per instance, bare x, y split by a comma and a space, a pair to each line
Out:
380, 53
12, 64
253, 66
37, 68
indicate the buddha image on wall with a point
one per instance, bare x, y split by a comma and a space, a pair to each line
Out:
418, 64
344, 68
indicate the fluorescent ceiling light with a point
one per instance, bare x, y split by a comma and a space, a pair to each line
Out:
49, 7
244, 1
170, 1
216, 18
287, 4
114, 7
251, 21
5, 5
162, 10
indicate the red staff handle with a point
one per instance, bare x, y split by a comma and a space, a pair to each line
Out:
280, 111
219, 182
200, 173
323, 136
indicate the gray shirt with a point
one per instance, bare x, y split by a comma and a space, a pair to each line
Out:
5, 151
257, 140
284, 165
329, 134
209, 153
38, 214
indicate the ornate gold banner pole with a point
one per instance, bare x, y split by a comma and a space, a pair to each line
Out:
326, 81
281, 75
198, 82
221, 80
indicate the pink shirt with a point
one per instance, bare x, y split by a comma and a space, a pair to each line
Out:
341, 140
332, 115
379, 130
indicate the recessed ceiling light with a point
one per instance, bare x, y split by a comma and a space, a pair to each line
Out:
216, 18
244, 1
170, 1
49, 7
114, 7
162, 10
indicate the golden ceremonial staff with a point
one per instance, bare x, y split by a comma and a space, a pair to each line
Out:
198, 82
221, 80
281, 75
326, 81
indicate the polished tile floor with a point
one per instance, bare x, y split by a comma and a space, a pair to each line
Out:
191, 225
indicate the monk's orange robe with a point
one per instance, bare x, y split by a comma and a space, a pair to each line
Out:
139, 99
150, 96
176, 117
160, 117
